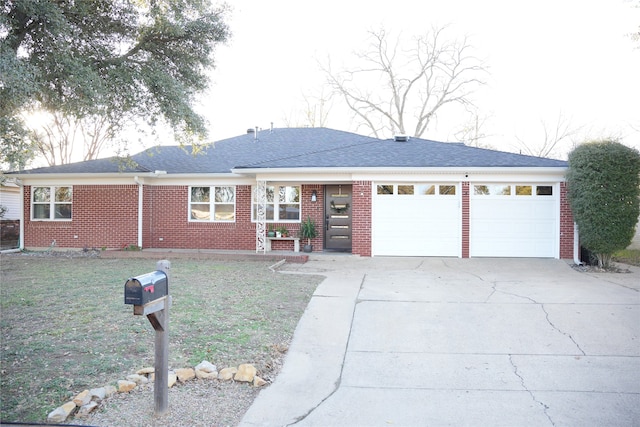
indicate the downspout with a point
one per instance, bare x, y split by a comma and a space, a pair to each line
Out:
576, 245
140, 199
21, 242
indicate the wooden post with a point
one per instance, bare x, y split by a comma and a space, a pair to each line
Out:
160, 323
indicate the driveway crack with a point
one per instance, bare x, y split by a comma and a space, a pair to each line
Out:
545, 407
561, 331
346, 347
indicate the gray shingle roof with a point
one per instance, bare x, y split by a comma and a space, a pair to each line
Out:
306, 148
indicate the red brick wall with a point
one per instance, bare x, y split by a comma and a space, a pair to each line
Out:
316, 211
361, 218
566, 225
167, 218
102, 216
465, 219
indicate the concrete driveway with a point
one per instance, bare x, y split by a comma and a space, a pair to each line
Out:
440, 341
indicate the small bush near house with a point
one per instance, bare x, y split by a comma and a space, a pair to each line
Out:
603, 189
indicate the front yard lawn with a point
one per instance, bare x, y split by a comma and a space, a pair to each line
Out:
65, 328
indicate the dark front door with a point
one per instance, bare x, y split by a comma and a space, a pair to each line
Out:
337, 211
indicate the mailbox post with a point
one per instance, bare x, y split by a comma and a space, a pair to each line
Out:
149, 294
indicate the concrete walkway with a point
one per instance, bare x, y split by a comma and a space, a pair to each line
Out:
440, 341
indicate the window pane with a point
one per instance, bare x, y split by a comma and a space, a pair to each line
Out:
405, 189
544, 190
289, 212
41, 194
448, 190
385, 189
41, 211
500, 190
426, 189
63, 211
200, 211
523, 190
481, 190
271, 194
200, 194
224, 213
225, 194
293, 194
63, 194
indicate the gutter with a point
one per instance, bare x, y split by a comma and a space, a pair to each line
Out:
576, 245
19, 182
140, 203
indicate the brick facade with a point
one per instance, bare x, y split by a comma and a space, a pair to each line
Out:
102, 216
566, 225
107, 216
361, 218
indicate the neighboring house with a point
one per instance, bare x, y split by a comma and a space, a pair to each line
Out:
10, 199
372, 197
11, 206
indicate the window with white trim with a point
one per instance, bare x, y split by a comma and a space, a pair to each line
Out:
51, 203
212, 204
283, 203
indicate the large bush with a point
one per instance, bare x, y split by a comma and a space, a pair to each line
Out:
603, 189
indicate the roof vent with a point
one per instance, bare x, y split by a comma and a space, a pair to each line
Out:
250, 130
401, 138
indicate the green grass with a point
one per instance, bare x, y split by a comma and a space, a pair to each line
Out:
65, 327
628, 256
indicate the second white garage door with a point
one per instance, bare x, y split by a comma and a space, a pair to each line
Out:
419, 219
511, 220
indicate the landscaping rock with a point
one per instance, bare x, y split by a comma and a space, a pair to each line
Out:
109, 390
146, 371
227, 374
86, 409
172, 379
207, 375
246, 373
126, 386
258, 382
206, 367
138, 379
82, 398
185, 374
61, 413
99, 393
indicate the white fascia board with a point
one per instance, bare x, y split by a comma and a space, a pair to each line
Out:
146, 178
78, 179
368, 173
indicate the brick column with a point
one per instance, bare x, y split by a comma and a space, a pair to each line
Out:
361, 218
566, 224
465, 219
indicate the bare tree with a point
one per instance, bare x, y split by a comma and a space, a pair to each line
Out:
314, 112
400, 89
58, 140
553, 136
472, 132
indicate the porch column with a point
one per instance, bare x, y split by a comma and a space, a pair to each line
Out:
261, 215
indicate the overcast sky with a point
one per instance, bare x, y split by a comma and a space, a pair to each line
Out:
545, 58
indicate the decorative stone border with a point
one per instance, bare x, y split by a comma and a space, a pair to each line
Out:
88, 400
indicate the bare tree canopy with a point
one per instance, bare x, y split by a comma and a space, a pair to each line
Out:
553, 137
400, 88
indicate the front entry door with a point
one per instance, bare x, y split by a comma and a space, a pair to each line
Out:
337, 211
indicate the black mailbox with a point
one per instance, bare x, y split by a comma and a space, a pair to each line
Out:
145, 288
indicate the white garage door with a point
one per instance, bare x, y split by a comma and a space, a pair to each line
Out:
512, 220
420, 219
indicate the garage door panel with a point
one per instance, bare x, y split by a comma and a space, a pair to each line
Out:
513, 226
416, 226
